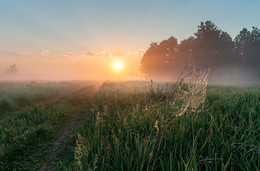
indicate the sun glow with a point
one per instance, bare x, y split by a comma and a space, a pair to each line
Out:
118, 65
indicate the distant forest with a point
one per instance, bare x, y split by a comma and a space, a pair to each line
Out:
230, 61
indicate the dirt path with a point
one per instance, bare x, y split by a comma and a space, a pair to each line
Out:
60, 140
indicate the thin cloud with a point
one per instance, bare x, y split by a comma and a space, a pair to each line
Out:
22, 53
44, 53
69, 54
66, 54
90, 54
104, 54
118, 54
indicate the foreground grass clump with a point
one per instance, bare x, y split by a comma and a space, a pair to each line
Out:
128, 131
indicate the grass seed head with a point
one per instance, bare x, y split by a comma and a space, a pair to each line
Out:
156, 125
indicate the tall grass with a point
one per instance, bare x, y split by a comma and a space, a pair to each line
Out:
123, 132
130, 126
27, 131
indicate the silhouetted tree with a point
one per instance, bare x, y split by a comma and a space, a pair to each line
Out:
210, 47
12, 69
242, 43
158, 59
247, 44
213, 47
185, 49
247, 49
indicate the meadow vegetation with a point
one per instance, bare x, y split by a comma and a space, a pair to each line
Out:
35, 113
133, 126
14, 96
127, 131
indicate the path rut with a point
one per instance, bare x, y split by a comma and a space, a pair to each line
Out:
60, 139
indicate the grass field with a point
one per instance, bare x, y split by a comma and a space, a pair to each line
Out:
126, 126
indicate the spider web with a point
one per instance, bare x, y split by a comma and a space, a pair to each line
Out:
190, 89
189, 92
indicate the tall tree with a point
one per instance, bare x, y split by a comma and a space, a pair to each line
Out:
247, 49
158, 59
210, 47
242, 43
213, 47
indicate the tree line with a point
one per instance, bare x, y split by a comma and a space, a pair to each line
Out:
230, 60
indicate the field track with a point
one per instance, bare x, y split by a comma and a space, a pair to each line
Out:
60, 140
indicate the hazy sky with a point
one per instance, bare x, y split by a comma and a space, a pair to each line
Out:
67, 37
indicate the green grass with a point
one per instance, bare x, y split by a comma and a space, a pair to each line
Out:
25, 131
119, 134
125, 128
15, 96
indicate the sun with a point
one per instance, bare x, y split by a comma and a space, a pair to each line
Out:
118, 65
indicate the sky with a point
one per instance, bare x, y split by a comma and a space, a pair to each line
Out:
68, 39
